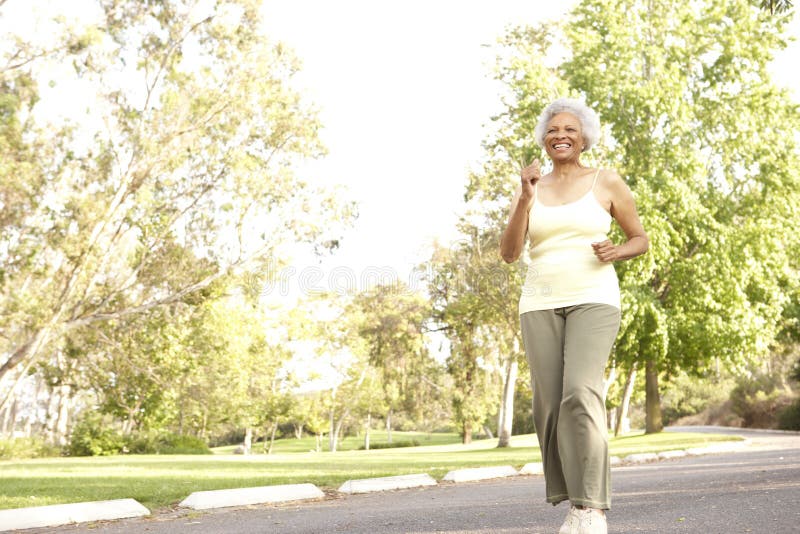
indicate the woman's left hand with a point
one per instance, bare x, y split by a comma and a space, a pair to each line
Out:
606, 251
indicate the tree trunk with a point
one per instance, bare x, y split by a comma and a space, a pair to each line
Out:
337, 430
466, 433
622, 413
7, 425
11, 394
298, 431
612, 376
389, 426
180, 411
366, 433
24, 353
332, 432
506, 417
62, 422
488, 432
248, 440
319, 441
272, 436
653, 422
130, 423
50, 417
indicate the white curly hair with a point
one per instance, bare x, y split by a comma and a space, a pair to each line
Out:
590, 123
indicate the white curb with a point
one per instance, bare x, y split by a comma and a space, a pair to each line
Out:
203, 500
615, 460
480, 473
366, 485
666, 455
62, 514
534, 468
641, 458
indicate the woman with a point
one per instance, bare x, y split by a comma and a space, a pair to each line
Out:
570, 306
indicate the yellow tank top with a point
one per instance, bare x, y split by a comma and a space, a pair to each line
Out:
562, 268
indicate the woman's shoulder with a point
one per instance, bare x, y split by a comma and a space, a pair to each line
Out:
609, 178
611, 185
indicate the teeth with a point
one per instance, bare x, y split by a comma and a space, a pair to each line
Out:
561, 145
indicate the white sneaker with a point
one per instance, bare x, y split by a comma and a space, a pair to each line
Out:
584, 521
571, 522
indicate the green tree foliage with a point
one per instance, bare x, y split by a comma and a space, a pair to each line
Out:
703, 137
180, 173
700, 133
390, 320
469, 292
192, 369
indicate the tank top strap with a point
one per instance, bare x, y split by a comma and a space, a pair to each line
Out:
595, 179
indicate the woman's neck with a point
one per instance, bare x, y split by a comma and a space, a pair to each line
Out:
566, 170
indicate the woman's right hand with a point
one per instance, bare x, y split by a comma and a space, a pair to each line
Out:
529, 176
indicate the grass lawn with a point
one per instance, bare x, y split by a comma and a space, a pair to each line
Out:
163, 481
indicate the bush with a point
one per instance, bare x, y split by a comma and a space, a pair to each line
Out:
178, 444
92, 436
21, 448
789, 417
159, 443
232, 437
392, 445
141, 443
686, 396
759, 400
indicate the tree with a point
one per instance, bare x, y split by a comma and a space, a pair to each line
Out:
183, 176
691, 121
390, 321
469, 292
693, 118
132, 367
312, 412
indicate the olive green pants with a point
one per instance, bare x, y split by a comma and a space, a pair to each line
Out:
567, 349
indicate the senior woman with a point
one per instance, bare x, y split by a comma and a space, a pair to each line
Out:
570, 304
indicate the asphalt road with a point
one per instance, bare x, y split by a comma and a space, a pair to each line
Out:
755, 490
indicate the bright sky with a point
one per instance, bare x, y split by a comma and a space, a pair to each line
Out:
404, 90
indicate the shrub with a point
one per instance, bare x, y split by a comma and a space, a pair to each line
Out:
92, 436
178, 444
789, 417
232, 437
392, 445
686, 396
160, 443
21, 448
141, 443
759, 400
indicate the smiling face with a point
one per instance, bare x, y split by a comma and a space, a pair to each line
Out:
563, 138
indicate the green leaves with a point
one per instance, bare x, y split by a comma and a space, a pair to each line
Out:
181, 173
693, 116
707, 144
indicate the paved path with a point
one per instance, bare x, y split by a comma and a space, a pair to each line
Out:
756, 490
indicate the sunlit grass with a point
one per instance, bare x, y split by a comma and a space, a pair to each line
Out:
163, 481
